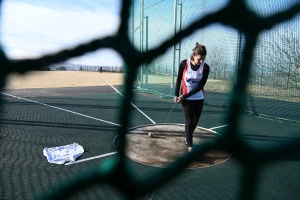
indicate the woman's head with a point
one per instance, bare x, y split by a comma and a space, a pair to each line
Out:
199, 54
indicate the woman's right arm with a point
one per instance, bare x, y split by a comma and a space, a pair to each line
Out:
179, 77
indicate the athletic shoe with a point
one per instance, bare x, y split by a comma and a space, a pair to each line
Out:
185, 142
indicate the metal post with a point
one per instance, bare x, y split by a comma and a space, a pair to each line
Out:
174, 50
132, 22
146, 49
239, 47
141, 38
180, 24
238, 53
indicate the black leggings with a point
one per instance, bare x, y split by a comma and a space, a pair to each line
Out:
192, 110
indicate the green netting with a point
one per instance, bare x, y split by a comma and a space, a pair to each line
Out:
223, 16
275, 78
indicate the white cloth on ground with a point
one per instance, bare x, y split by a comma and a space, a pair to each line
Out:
62, 154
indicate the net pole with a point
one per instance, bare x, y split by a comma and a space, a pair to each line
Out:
180, 25
238, 52
141, 38
239, 47
174, 50
146, 49
132, 22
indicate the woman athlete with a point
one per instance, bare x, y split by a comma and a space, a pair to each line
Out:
192, 74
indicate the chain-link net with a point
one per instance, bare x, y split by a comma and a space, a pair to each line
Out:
274, 80
254, 27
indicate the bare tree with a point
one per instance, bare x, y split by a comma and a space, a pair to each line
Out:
279, 57
218, 66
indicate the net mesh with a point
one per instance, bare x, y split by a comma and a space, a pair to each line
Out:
274, 80
254, 29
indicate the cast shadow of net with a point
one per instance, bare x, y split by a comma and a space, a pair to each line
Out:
115, 171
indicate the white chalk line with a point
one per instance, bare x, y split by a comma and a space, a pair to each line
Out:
61, 109
91, 158
130, 102
218, 127
151, 195
83, 160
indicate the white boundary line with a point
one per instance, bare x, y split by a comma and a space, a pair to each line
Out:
130, 102
91, 158
61, 109
217, 127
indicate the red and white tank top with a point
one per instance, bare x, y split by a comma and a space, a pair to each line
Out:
191, 79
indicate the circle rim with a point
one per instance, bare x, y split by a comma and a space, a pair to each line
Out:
146, 125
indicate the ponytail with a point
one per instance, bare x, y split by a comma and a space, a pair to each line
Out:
199, 50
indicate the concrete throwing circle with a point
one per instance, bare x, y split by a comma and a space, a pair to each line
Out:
167, 144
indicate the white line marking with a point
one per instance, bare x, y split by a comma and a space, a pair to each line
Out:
91, 158
217, 127
152, 195
146, 198
61, 109
130, 102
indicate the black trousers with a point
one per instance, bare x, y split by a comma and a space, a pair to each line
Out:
192, 110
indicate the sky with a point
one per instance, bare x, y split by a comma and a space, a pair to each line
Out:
32, 28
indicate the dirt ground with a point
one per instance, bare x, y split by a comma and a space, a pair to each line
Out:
165, 145
56, 79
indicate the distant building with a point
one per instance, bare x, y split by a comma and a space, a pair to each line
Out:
61, 69
45, 69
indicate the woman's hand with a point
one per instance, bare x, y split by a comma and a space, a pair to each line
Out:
178, 99
175, 100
